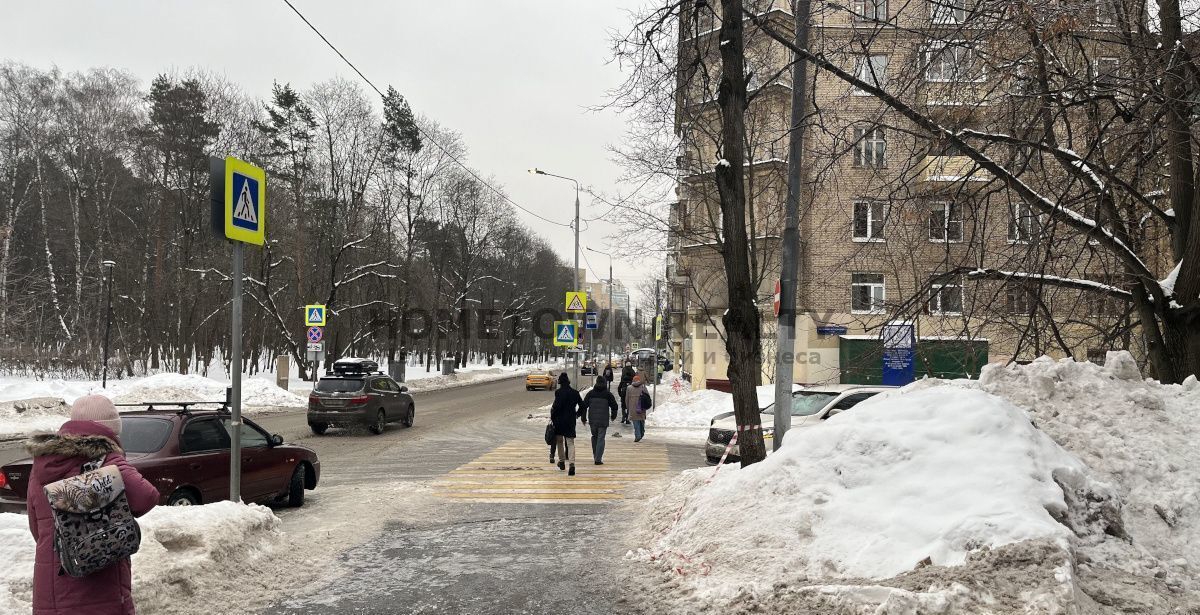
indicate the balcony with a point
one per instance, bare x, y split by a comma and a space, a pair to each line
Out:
951, 169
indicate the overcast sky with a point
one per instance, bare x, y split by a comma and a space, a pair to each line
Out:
514, 77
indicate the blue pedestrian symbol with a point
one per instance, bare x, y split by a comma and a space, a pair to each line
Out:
245, 205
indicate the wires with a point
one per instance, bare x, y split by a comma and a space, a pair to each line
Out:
424, 134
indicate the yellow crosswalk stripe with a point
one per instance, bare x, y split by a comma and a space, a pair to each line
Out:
520, 473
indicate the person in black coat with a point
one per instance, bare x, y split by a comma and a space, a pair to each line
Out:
598, 407
567, 405
626, 380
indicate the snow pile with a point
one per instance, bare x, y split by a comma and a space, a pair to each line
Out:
187, 553
1055, 487
39, 414
192, 387
697, 408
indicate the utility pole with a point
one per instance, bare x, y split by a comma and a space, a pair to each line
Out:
789, 261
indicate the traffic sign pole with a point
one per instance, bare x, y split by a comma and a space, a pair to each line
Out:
235, 421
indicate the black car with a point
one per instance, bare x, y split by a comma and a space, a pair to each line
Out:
357, 394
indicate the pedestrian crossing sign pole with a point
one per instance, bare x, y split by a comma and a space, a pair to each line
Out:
238, 196
566, 333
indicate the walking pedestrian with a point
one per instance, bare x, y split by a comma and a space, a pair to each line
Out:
90, 435
608, 372
598, 408
566, 408
637, 409
626, 380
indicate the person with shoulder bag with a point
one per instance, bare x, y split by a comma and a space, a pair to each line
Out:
82, 500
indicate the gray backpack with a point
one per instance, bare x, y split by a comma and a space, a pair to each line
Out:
93, 525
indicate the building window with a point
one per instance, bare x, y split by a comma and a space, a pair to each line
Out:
1020, 298
1022, 223
868, 220
870, 69
945, 222
1105, 15
870, 10
946, 298
1108, 74
946, 11
952, 62
867, 293
870, 146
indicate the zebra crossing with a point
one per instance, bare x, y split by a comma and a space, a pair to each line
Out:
519, 472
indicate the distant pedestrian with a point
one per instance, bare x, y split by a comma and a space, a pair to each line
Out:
637, 407
626, 380
608, 372
566, 408
598, 408
91, 436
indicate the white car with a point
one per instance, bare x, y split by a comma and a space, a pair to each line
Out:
809, 407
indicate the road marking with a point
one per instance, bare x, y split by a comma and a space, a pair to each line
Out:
520, 473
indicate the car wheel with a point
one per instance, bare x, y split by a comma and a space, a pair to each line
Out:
295, 497
528, 388
319, 428
412, 415
183, 497
379, 424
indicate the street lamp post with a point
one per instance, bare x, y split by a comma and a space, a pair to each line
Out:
612, 319
578, 282
108, 271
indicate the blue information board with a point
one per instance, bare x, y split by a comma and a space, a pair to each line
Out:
899, 353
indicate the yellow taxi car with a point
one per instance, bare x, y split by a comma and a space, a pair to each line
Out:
539, 380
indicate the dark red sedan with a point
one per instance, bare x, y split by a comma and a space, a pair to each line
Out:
185, 454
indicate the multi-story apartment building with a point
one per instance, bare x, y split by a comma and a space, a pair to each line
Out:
896, 225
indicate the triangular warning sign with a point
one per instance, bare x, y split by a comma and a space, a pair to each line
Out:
244, 209
576, 305
565, 334
315, 316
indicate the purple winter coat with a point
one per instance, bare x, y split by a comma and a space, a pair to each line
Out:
59, 456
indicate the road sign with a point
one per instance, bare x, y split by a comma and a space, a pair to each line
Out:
658, 328
778, 295
317, 347
592, 321
566, 333
832, 330
576, 302
245, 202
314, 315
315, 334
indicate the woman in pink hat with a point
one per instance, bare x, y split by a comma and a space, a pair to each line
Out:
91, 433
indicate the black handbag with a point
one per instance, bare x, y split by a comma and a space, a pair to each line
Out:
550, 433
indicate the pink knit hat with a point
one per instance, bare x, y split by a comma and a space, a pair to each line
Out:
99, 409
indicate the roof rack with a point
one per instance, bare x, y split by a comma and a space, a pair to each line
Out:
184, 406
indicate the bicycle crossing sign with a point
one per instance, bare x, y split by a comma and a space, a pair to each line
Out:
245, 202
315, 334
576, 302
314, 315
565, 333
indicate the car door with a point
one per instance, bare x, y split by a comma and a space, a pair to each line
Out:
387, 398
204, 456
256, 462
403, 400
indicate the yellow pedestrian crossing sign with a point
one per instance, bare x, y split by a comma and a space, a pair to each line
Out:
576, 302
314, 315
565, 333
245, 202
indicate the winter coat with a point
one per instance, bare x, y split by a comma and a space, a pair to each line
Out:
633, 395
59, 456
608, 374
599, 405
565, 409
626, 380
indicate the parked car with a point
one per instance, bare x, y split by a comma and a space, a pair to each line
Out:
588, 368
539, 380
185, 454
809, 407
356, 394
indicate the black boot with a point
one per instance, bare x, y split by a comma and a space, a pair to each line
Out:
571, 472
562, 465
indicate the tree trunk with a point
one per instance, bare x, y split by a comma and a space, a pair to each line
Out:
742, 329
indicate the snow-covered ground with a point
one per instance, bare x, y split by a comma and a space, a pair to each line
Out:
185, 552
1056, 487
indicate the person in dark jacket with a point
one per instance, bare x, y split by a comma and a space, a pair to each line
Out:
598, 408
567, 405
608, 372
90, 434
626, 380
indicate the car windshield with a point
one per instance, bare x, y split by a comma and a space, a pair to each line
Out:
805, 403
144, 434
339, 385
